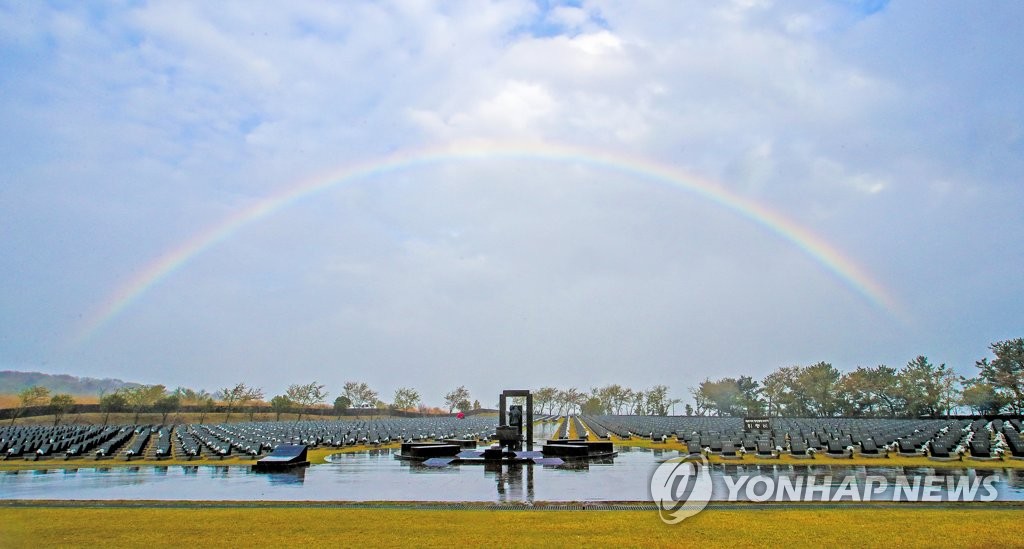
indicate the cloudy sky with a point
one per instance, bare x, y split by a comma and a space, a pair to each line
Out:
141, 140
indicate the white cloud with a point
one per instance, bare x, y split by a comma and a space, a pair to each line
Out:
131, 129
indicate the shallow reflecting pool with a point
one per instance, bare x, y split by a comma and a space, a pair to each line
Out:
378, 476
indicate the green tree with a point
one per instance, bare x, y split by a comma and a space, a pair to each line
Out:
750, 396
883, 382
871, 392
722, 396
406, 398
592, 406
341, 404
28, 397
61, 404
701, 399
167, 404
112, 403
281, 404
657, 400
981, 396
190, 396
819, 385
605, 400
777, 388
1005, 372
206, 405
140, 397
455, 397
927, 389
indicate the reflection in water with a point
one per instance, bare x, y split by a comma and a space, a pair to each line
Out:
418, 468
377, 476
294, 476
572, 466
1015, 478
509, 480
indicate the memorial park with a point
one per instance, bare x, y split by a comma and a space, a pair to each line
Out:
519, 468
527, 273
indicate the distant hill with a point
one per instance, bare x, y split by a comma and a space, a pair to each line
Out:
12, 382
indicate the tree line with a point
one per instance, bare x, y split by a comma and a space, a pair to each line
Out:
610, 399
239, 398
918, 389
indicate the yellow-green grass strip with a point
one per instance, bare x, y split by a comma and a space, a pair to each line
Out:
590, 432
558, 424
305, 526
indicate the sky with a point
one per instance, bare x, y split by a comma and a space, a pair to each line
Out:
506, 194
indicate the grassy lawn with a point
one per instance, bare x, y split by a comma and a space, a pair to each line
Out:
743, 527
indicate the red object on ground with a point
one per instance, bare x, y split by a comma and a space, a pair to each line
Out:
460, 415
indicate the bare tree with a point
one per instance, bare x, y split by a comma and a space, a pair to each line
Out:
544, 399
359, 394
230, 396
306, 395
250, 395
30, 396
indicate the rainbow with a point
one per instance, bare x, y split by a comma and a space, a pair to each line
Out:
166, 264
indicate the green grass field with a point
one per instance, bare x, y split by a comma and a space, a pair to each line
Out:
747, 526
